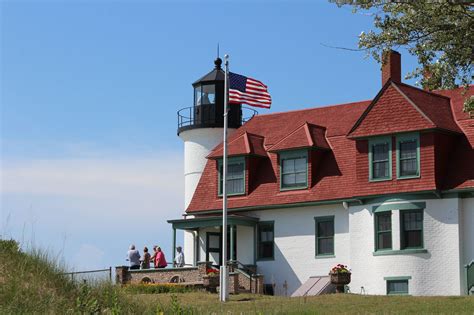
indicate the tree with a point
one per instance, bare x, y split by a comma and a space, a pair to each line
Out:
440, 33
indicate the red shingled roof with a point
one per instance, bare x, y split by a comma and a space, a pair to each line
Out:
305, 136
399, 107
245, 144
342, 171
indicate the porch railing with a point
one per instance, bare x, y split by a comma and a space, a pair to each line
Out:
73, 274
470, 276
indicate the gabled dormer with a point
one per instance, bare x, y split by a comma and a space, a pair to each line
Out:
244, 153
397, 135
298, 156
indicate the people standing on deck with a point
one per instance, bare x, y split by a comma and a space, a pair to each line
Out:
146, 258
160, 260
153, 257
133, 256
179, 259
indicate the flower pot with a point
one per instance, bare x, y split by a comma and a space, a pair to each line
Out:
340, 280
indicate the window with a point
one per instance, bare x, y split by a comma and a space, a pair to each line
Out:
294, 169
383, 230
380, 159
324, 236
397, 286
205, 94
408, 156
265, 237
411, 229
235, 176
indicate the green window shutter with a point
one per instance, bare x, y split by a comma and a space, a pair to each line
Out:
380, 158
408, 155
383, 230
265, 240
411, 229
324, 236
293, 169
235, 176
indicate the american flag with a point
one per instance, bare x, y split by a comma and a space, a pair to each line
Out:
243, 90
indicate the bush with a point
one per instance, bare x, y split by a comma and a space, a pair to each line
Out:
155, 288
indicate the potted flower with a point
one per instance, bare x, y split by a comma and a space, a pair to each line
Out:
211, 279
340, 276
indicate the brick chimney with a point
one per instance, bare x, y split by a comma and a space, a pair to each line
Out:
391, 66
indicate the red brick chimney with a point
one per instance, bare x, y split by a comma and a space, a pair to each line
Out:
391, 66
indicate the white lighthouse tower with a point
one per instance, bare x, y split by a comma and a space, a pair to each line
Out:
201, 128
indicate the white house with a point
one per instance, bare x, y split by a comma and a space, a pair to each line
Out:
385, 186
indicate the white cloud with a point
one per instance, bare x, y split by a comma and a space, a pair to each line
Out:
92, 207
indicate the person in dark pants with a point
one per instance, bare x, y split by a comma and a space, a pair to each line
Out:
146, 258
133, 256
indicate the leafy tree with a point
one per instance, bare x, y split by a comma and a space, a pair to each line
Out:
440, 33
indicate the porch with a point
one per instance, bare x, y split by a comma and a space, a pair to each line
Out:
203, 240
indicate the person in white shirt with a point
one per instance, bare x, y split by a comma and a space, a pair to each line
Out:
179, 259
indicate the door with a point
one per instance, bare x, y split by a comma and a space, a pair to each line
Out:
214, 245
213, 248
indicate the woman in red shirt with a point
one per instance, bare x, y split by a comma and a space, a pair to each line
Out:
160, 260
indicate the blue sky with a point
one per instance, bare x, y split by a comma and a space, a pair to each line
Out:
89, 93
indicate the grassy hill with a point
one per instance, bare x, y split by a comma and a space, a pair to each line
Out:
31, 283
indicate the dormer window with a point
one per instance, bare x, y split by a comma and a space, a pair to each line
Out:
380, 159
235, 176
293, 170
408, 156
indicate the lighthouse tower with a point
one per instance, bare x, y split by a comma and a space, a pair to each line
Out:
201, 129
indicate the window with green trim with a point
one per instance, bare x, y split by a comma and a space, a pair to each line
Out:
408, 155
235, 176
397, 287
380, 158
411, 229
294, 169
383, 230
324, 236
265, 240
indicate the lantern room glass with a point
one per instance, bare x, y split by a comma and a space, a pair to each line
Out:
204, 94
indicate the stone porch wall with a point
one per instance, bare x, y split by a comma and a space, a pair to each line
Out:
164, 275
237, 280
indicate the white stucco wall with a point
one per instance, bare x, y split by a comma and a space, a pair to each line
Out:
467, 235
295, 260
189, 249
245, 245
468, 230
448, 236
436, 272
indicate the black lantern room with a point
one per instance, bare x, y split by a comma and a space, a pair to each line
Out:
208, 107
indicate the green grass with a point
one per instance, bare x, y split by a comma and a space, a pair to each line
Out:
31, 283
205, 303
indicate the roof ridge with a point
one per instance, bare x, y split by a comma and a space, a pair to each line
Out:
289, 135
312, 108
247, 142
422, 90
308, 134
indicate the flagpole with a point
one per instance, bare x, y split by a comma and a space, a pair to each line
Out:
224, 269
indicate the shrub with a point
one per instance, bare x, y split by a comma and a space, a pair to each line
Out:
154, 288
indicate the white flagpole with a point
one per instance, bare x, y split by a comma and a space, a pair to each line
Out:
224, 295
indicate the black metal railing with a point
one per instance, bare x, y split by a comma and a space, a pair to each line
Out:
470, 276
205, 116
88, 274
